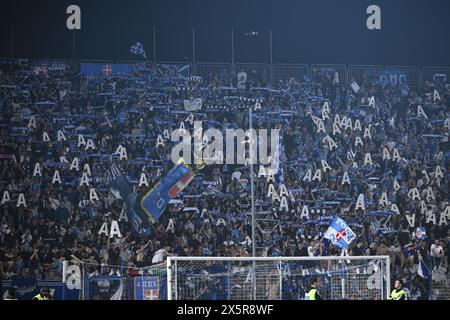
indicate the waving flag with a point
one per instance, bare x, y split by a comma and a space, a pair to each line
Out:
156, 200
138, 49
145, 209
423, 269
339, 233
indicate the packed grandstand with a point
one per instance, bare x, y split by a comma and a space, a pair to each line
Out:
371, 150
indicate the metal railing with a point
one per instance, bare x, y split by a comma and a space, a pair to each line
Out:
329, 69
211, 70
361, 72
259, 72
289, 71
412, 75
429, 73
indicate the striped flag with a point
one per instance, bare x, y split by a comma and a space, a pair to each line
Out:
180, 185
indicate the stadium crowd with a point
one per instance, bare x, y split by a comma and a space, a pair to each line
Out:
407, 147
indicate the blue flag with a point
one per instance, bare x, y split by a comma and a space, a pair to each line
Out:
154, 202
339, 233
119, 186
144, 210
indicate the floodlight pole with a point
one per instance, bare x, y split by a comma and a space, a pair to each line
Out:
232, 48
12, 38
193, 45
154, 45
271, 56
73, 47
252, 157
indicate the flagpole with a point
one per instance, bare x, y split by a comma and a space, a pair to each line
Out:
252, 199
342, 273
271, 57
154, 45
73, 47
232, 48
12, 39
193, 45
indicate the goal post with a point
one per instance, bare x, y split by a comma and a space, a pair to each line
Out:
277, 278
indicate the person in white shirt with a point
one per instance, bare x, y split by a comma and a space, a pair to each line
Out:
311, 248
159, 256
437, 253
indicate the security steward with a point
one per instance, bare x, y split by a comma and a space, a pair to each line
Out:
399, 293
43, 295
313, 294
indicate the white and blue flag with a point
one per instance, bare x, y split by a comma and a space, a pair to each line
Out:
339, 233
423, 269
420, 233
138, 49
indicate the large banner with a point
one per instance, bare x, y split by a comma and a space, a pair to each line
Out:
105, 69
105, 288
393, 77
148, 288
26, 289
50, 66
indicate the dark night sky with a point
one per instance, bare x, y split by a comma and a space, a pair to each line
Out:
414, 32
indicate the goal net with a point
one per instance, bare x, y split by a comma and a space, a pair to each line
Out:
277, 278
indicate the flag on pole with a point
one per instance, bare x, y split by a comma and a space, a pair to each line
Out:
119, 292
145, 209
154, 202
423, 269
355, 87
138, 49
339, 233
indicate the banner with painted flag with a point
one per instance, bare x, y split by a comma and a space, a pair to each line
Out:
339, 233
154, 202
105, 69
138, 49
420, 233
423, 270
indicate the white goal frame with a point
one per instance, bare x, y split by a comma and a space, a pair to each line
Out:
385, 272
